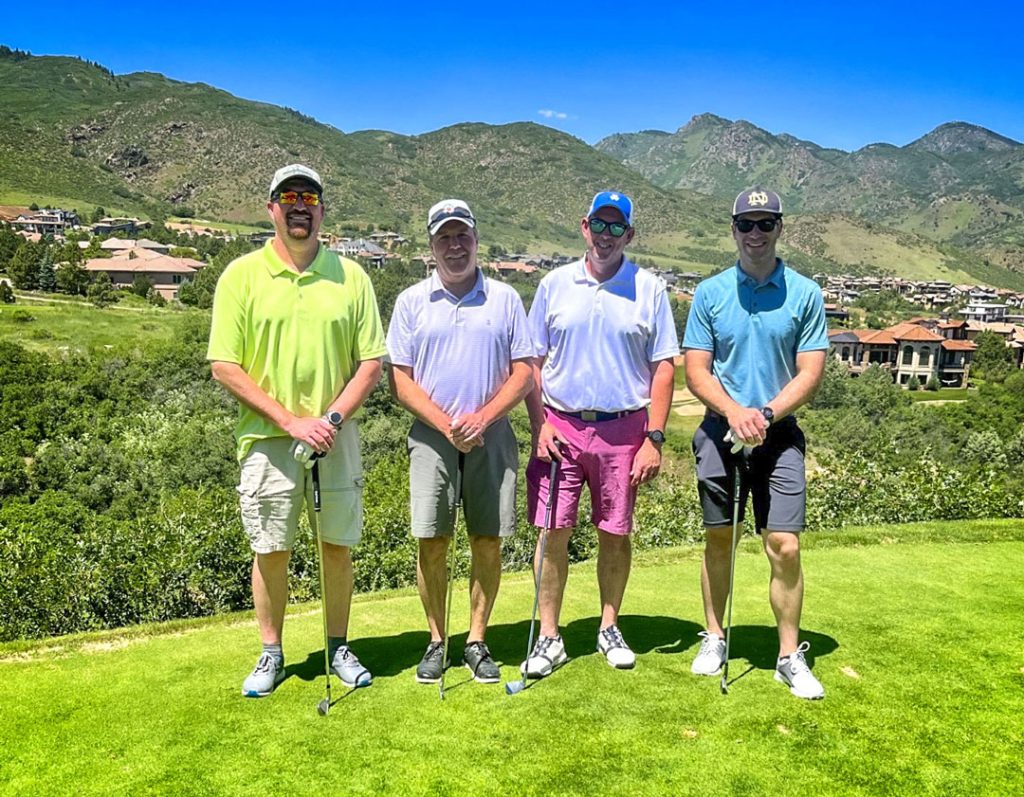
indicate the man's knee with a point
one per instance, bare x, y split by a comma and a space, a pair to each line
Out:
432, 550
783, 548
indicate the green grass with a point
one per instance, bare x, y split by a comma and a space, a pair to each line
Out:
61, 328
914, 630
236, 229
942, 394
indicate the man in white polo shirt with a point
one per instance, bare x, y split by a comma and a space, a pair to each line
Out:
460, 355
605, 344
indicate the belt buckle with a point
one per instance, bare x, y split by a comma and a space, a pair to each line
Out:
588, 415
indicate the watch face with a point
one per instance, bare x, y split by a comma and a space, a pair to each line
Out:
335, 418
656, 436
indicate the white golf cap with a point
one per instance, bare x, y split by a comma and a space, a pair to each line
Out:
296, 170
446, 210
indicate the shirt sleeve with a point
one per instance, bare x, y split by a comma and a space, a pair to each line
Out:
370, 333
814, 330
520, 342
399, 340
699, 334
664, 343
227, 325
538, 321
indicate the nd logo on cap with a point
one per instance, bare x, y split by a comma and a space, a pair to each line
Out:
757, 199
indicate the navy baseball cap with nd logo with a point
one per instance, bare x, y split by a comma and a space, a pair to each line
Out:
757, 200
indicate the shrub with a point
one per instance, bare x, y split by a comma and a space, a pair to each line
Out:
914, 383
22, 317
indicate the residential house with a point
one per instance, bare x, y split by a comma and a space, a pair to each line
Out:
906, 350
165, 272
50, 222
113, 224
984, 311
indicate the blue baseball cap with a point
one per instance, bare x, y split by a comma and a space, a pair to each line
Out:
613, 199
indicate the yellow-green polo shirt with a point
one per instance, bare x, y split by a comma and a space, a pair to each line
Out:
299, 336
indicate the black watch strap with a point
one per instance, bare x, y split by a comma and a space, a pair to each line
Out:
656, 436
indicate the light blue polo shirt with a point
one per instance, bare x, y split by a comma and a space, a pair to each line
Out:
460, 350
599, 340
755, 330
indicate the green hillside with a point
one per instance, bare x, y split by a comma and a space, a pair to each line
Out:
76, 135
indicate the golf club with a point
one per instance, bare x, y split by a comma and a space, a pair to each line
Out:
736, 487
451, 569
515, 687
324, 705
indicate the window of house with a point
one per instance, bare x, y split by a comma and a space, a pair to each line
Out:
925, 357
908, 355
846, 353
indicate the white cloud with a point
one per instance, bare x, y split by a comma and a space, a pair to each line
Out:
549, 114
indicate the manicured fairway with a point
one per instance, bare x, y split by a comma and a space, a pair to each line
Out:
915, 632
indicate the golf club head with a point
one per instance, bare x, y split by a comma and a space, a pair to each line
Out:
724, 684
514, 687
323, 707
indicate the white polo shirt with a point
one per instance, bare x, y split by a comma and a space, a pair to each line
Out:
460, 350
601, 338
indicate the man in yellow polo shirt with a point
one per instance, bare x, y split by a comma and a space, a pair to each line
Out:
297, 339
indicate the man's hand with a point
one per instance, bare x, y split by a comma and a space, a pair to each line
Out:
315, 432
547, 442
748, 426
468, 429
646, 463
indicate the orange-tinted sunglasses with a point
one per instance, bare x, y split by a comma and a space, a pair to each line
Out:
309, 198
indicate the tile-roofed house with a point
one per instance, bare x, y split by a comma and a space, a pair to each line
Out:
908, 349
165, 272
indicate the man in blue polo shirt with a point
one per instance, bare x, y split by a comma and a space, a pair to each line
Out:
755, 345
460, 355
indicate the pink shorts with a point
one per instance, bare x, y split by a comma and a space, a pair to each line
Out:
599, 454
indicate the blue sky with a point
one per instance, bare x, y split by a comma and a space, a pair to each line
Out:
839, 74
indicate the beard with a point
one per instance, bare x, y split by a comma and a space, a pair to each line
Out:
299, 225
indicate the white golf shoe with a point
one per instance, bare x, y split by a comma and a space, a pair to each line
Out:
547, 654
615, 649
711, 656
793, 671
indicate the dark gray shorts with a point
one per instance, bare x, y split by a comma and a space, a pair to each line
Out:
489, 482
773, 475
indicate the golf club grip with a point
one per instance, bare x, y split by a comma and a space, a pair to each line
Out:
316, 486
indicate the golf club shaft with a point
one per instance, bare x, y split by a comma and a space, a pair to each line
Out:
451, 568
548, 515
736, 487
323, 583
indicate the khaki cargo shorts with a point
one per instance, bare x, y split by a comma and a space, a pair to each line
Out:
274, 488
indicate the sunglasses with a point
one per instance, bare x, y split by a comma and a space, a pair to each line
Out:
615, 228
764, 225
454, 213
309, 198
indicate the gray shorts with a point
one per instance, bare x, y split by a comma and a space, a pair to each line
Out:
274, 488
489, 482
773, 476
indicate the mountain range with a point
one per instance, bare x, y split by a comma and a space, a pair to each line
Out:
948, 205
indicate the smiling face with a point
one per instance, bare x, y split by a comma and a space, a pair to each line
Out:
298, 222
454, 247
604, 251
757, 247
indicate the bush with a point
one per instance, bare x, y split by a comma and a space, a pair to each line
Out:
933, 384
6, 293
914, 383
22, 317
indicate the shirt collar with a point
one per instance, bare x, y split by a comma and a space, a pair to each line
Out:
276, 266
625, 273
480, 286
775, 278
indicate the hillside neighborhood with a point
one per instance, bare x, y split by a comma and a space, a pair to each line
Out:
921, 350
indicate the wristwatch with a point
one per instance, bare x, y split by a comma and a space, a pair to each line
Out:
656, 436
334, 418
769, 415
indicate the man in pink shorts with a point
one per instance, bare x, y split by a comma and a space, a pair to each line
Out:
605, 344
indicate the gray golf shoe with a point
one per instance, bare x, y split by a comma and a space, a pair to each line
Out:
479, 662
347, 667
617, 653
264, 678
430, 667
794, 673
